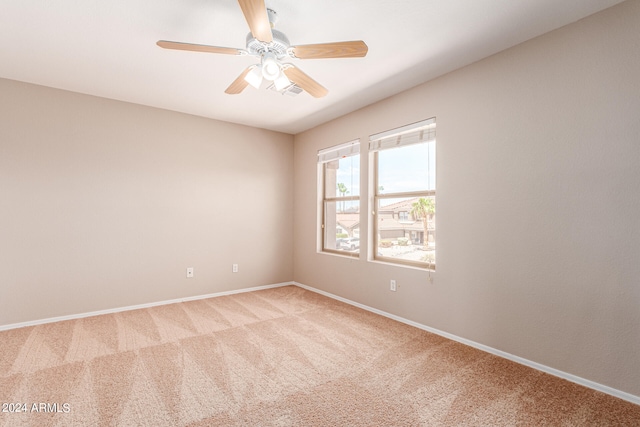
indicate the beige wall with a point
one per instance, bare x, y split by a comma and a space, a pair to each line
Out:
538, 202
104, 204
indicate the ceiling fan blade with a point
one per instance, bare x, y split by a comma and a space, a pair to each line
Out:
198, 47
238, 84
352, 49
255, 12
309, 85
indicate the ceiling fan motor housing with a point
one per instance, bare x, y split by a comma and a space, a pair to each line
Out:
278, 46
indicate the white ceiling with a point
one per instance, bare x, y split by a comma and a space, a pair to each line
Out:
107, 49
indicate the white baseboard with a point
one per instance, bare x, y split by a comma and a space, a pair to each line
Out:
555, 372
136, 307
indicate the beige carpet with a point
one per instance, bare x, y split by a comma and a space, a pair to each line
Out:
277, 357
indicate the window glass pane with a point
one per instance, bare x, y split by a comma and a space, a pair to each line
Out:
410, 168
342, 177
404, 217
342, 226
406, 228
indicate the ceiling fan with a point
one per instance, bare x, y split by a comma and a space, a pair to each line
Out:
272, 46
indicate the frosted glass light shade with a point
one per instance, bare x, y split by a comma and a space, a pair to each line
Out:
254, 77
281, 81
270, 67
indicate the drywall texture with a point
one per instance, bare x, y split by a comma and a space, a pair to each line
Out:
538, 205
104, 204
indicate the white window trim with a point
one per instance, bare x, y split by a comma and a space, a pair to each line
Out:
325, 156
415, 133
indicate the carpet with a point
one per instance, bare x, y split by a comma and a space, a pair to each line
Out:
277, 357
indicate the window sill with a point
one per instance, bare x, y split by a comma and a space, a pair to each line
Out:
410, 265
341, 254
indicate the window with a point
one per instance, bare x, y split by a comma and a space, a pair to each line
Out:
404, 212
340, 227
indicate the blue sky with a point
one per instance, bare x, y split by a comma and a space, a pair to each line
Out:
401, 169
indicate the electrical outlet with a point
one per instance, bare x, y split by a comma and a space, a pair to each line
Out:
392, 285
189, 272
234, 268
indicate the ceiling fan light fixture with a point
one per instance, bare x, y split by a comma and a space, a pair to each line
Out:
254, 77
270, 67
281, 82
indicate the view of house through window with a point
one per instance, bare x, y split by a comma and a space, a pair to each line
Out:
404, 214
341, 198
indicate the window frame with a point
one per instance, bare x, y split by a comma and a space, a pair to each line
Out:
378, 196
337, 199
